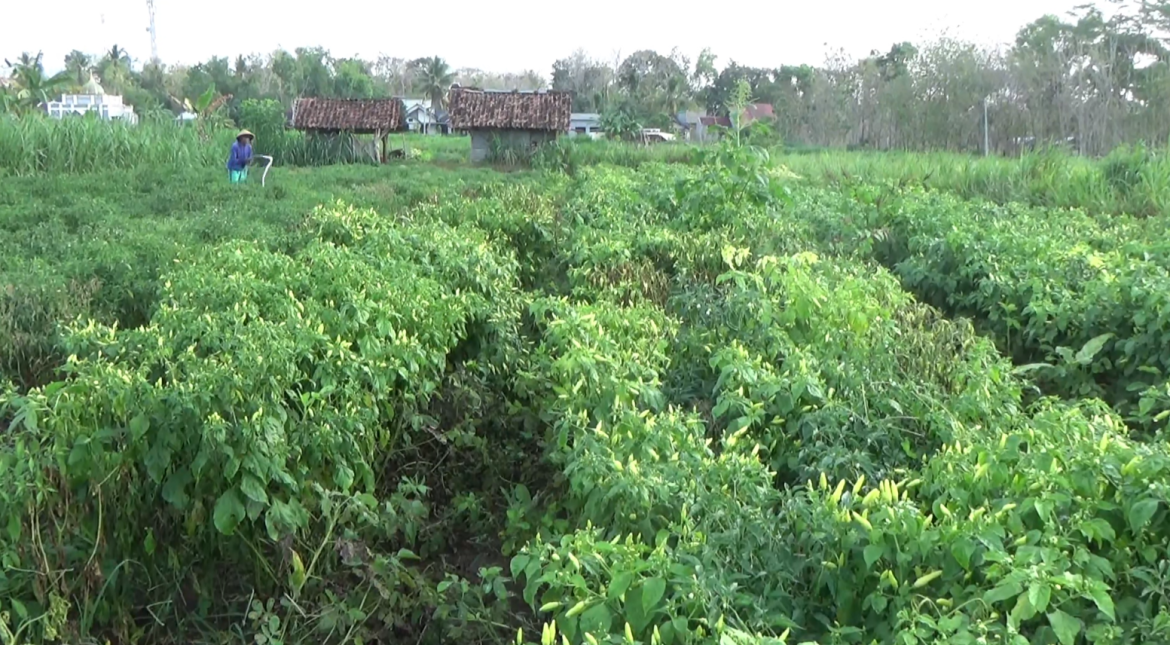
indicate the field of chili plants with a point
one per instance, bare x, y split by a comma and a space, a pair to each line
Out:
663, 404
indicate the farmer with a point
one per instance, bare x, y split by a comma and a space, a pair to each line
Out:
241, 156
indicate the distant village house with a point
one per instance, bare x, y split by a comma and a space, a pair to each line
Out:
422, 118
585, 123
514, 120
697, 127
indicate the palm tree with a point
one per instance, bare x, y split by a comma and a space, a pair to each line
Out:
26, 60
114, 69
79, 64
434, 79
118, 58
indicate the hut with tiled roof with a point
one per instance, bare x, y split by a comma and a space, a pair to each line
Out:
515, 120
331, 117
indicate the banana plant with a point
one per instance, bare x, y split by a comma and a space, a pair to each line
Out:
31, 86
206, 109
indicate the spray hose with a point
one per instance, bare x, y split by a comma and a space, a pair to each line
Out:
266, 167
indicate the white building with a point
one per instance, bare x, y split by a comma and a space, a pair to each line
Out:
421, 118
93, 99
585, 123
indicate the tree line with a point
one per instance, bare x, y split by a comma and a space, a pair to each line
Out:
1094, 79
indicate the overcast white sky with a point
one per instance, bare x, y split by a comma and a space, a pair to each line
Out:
509, 35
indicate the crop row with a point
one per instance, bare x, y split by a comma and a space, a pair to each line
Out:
1081, 302
692, 523
271, 400
680, 538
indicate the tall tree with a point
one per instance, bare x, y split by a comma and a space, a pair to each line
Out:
352, 80
588, 80
654, 83
704, 74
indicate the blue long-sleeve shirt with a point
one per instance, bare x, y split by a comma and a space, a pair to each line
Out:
241, 155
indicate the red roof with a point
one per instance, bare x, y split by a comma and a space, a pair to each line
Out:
475, 109
349, 115
751, 113
757, 111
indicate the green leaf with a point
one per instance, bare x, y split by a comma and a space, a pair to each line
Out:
1003, 592
21, 610
1104, 602
343, 477
138, 426
518, 564
1039, 594
597, 620
229, 510
1066, 627
14, 527
1092, 348
174, 491
1023, 611
619, 584
652, 591
251, 487
1100, 530
367, 500
872, 554
1030, 367
962, 551
530, 589
1141, 512
157, 460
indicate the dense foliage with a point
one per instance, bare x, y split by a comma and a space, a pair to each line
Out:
685, 403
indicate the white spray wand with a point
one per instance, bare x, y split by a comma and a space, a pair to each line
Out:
266, 167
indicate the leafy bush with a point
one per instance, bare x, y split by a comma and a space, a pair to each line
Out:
676, 403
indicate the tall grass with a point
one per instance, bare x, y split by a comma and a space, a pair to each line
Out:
1134, 180
39, 145
36, 145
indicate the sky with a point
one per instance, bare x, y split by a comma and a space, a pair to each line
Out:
513, 35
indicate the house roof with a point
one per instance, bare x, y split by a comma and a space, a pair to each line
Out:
474, 109
753, 112
757, 111
363, 116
